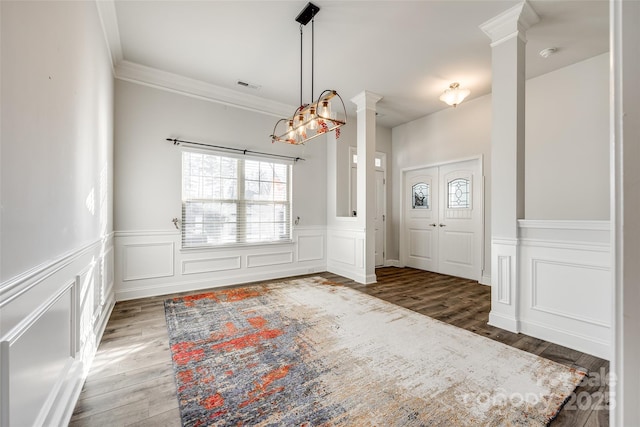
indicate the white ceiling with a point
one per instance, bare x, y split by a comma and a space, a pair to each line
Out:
406, 51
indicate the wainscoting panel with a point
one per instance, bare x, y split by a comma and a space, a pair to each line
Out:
345, 254
342, 249
275, 258
26, 347
565, 284
504, 297
310, 247
51, 319
147, 259
503, 279
210, 265
554, 285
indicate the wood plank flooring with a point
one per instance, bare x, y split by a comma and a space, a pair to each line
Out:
131, 380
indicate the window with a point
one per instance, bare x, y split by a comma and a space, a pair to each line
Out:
420, 196
228, 200
458, 190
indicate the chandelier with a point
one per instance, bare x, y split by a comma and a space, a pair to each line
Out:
454, 95
324, 114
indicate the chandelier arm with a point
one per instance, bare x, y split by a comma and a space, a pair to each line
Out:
333, 94
274, 137
344, 108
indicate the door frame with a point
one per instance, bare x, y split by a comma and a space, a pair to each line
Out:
383, 168
403, 173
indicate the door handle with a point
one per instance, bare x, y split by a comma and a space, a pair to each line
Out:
432, 225
443, 225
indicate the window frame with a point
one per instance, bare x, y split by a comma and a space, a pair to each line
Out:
240, 201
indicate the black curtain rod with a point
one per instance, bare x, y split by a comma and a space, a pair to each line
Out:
179, 141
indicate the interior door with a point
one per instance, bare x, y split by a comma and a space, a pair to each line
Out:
421, 218
460, 219
379, 218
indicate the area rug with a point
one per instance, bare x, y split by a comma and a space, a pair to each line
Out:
309, 352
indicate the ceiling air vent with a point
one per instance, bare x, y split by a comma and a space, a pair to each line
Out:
248, 85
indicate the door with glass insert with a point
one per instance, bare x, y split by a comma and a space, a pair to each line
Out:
421, 218
460, 220
443, 219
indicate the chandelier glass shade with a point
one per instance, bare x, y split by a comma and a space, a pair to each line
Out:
454, 95
325, 114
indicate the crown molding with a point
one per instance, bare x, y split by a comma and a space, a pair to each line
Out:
109, 21
512, 22
136, 73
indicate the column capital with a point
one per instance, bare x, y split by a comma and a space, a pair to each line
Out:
366, 100
512, 22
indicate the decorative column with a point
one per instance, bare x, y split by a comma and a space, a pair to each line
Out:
366, 138
625, 157
507, 32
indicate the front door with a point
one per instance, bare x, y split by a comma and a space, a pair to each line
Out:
460, 220
443, 217
421, 219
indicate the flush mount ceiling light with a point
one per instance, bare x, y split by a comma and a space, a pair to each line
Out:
454, 95
317, 118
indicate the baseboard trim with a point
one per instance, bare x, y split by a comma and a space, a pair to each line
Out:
565, 338
392, 263
503, 322
349, 274
66, 397
485, 280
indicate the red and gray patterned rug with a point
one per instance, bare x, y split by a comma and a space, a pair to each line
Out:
309, 352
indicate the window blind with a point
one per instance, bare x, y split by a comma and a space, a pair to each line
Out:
227, 200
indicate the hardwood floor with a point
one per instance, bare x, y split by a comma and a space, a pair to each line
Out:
131, 381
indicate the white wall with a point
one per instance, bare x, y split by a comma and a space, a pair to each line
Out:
57, 133
150, 260
56, 194
448, 135
567, 143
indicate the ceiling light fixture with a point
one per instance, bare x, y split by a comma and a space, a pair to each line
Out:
311, 120
454, 95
